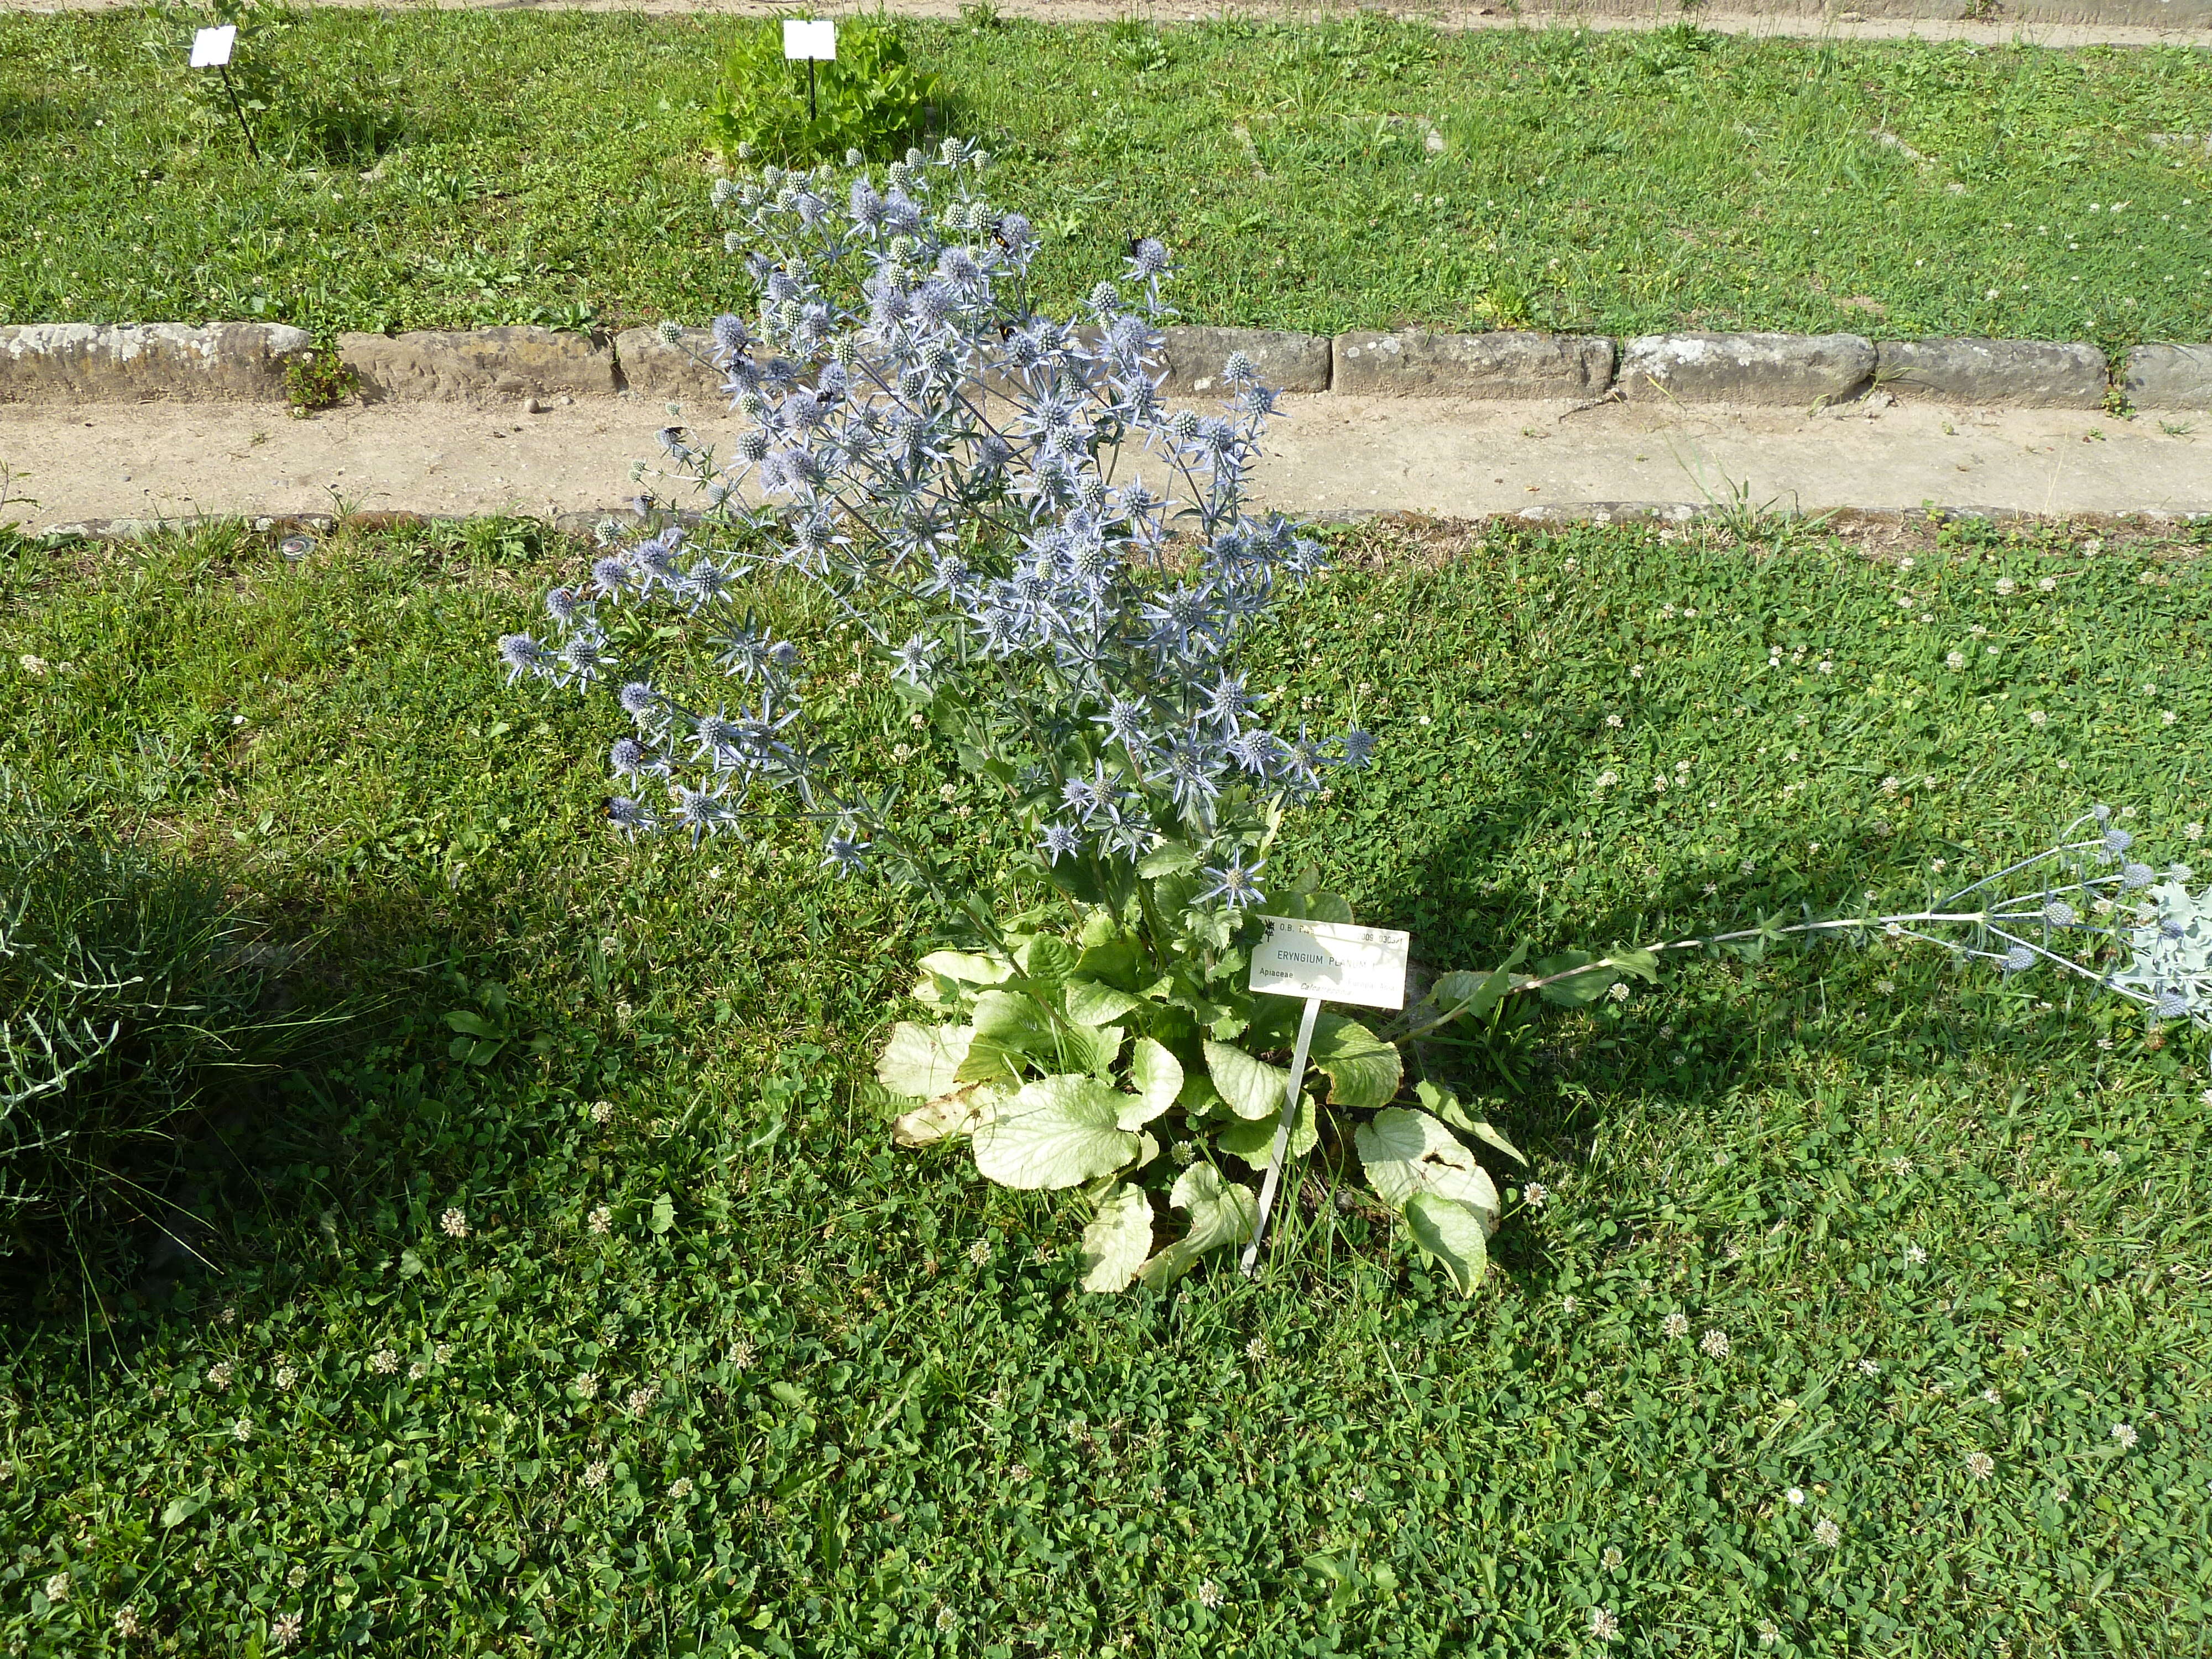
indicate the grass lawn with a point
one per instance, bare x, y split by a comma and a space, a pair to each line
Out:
1866, 1314
552, 167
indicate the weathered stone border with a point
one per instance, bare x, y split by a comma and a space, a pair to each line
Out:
80, 362
1659, 512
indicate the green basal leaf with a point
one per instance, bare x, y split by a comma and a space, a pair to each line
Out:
1256, 1142
1047, 959
1156, 1076
1118, 1239
1406, 1152
923, 1061
965, 968
1363, 1070
1252, 1088
1451, 1235
1221, 1212
1118, 961
1171, 858
1091, 1003
990, 1061
1088, 1048
1198, 1097
1056, 1132
960, 1111
1015, 1021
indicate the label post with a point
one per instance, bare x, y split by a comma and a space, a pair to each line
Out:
1319, 961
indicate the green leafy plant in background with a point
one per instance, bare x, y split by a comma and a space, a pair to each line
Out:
869, 98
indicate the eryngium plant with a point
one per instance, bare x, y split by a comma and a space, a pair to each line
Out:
1074, 569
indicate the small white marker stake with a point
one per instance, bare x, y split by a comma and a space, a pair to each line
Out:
814, 41
1318, 961
211, 49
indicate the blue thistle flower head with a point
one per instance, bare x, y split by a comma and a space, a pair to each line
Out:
629, 817
2173, 1005
1060, 840
522, 655
2117, 841
1233, 882
844, 852
2019, 959
2134, 875
2059, 914
1359, 747
1148, 260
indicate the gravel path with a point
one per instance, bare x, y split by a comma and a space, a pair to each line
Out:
2189, 23
1330, 454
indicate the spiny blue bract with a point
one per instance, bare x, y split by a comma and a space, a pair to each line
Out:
921, 432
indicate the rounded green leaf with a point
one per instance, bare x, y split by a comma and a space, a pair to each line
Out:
1363, 1070
1256, 1142
1252, 1088
1056, 1132
1118, 1239
1407, 1152
1221, 1212
1453, 1236
923, 1061
1156, 1075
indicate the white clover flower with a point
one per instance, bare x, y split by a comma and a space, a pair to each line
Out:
1209, 1594
242, 1430
1827, 1533
586, 1384
284, 1629
1915, 1255
57, 1588
1981, 1465
2125, 1434
1675, 1326
595, 1474
383, 1362
680, 1488
603, 1112
600, 1219
1603, 1626
1535, 1194
1715, 1343
219, 1374
454, 1223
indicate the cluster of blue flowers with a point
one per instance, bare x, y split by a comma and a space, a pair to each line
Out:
920, 434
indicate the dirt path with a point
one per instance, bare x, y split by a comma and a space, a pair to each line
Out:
2052, 22
1331, 455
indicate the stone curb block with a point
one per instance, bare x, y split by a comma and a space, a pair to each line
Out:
1503, 365
483, 365
98, 362
651, 368
2020, 374
2169, 377
1746, 369
1286, 361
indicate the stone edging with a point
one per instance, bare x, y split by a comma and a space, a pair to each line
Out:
581, 523
82, 362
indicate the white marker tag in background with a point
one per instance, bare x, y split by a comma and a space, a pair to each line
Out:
1332, 961
211, 47
802, 39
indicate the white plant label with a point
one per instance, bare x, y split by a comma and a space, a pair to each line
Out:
211, 47
817, 40
1332, 961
